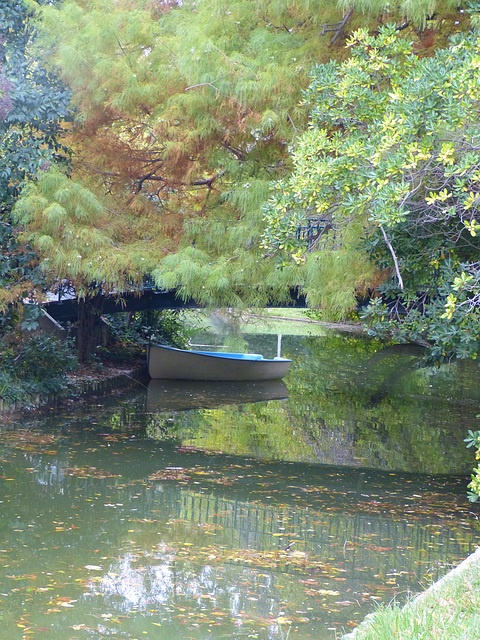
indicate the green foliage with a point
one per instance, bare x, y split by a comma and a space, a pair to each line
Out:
424, 319
78, 239
390, 164
473, 440
34, 103
84, 243
33, 108
185, 113
129, 333
167, 327
30, 318
43, 357
37, 365
188, 112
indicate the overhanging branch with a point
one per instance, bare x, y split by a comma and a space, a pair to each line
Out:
397, 268
337, 27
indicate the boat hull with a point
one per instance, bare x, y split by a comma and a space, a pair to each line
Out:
167, 363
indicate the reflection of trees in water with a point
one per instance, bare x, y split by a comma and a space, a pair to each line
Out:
360, 402
216, 538
352, 401
350, 520
386, 368
338, 552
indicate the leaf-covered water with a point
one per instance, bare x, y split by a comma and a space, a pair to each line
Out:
246, 519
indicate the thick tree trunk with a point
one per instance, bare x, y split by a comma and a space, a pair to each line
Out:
89, 312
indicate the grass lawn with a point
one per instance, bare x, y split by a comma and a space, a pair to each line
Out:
449, 610
275, 320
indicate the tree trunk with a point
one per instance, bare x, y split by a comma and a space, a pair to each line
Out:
89, 312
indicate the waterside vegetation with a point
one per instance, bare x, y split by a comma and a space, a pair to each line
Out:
37, 368
449, 610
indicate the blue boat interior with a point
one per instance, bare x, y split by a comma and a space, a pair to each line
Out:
252, 357
236, 356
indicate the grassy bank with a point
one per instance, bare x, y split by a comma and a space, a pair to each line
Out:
448, 610
272, 320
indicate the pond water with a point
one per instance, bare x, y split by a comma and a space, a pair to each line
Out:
240, 511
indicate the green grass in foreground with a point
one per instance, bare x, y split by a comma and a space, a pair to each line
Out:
448, 611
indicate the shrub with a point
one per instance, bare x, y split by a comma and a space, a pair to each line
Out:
129, 333
35, 366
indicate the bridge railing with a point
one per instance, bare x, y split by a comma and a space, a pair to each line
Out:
312, 231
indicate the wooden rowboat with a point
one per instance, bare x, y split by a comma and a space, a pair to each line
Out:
168, 363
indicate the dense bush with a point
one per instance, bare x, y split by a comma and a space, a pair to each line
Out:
130, 332
36, 366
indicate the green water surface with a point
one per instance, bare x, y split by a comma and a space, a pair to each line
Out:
181, 511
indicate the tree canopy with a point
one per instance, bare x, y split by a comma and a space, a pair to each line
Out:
390, 165
185, 115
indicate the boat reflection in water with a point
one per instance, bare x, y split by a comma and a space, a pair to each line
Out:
168, 395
